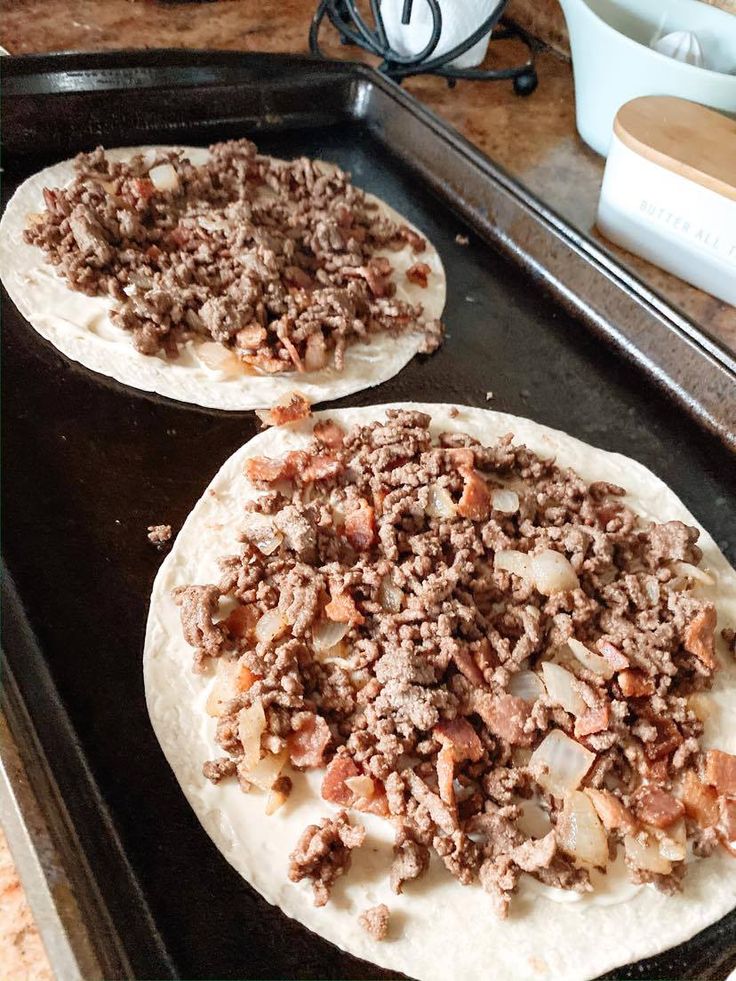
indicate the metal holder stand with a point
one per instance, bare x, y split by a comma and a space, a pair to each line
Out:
354, 29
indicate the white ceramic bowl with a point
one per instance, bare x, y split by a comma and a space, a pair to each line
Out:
613, 63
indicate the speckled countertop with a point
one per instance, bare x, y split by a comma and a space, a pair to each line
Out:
533, 138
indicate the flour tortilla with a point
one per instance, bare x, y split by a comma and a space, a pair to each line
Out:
80, 326
439, 928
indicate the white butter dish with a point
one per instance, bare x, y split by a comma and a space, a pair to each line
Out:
669, 190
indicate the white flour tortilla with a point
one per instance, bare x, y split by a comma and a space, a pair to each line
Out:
80, 326
439, 928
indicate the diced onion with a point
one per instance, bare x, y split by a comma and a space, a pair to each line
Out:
526, 685
439, 502
266, 773
259, 529
389, 595
553, 573
505, 500
512, 561
701, 703
361, 786
559, 763
580, 832
275, 800
651, 588
328, 634
560, 685
673, 844
251, 724
164, 177
271, 625
217, 357
693, 572
593, 662
223, 690
646, 856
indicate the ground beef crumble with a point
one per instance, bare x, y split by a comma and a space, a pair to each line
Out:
277, 262
322, 854
416, 616
375, 921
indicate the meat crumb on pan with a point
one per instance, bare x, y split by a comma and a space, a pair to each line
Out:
462, 239
322, 854
265, 266
375, 921
159, 534
446, 631
293, 408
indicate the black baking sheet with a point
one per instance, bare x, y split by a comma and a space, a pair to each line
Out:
89, 464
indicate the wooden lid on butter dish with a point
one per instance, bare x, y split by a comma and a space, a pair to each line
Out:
684, 137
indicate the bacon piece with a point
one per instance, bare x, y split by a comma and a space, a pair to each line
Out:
342, 609
701, 802
320, 467
720, 771
308, 743
611, 811
414, 239
419, 274
142, 187
667, 741
334, 788
617, 660
467, 666
446, 775
329, 434
635, 684
360, 527
459, 736
607, 512
504, 715
241, 622
281, 414
251, 337
475, 501
377, 274
292, 352
336, 791
699, 636
594, 719
657, 807
460, 457
50, 199
265, 470
377, 804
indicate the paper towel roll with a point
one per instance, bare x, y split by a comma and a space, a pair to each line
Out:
460, 18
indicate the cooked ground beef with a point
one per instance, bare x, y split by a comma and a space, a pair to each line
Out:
276, 261
375, 921
159, 534
323, 854
416, 616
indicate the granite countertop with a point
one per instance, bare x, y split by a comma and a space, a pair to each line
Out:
534, 138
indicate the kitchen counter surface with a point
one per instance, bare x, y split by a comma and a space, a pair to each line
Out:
534, 138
